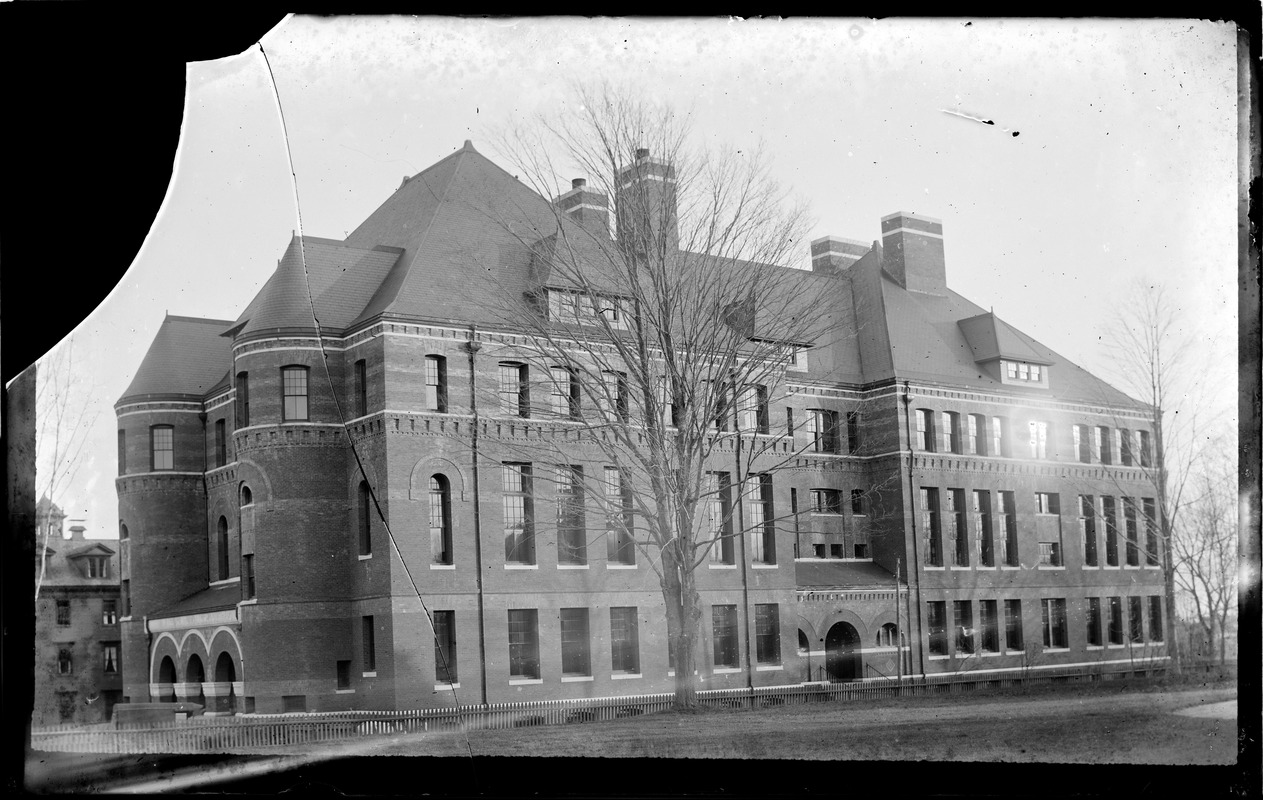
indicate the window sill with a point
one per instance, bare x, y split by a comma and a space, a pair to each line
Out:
620, 566
623, 676
961, 569
1008, 567
765, 566
769, 668
989, 569
575, 678
372, 674
721, 566
1056, 649
1153, 566
365, 557
125, 619
442, 566
1090, 566
446, 687
933, 569
1095, 647
1110, 566
521, 566
344, 691
989, 655
725, 670
938, 658
671, 673
250, 602
572, 566
1051, 567
525, 681
225, 581
1116, 646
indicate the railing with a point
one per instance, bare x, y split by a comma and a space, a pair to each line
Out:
262, 731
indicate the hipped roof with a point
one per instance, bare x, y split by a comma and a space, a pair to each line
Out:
187, 357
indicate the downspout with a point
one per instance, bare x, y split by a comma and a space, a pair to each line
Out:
745, 566
912, 520
205, 496
473, 345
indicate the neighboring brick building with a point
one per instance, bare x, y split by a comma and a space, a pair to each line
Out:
257, 574
77, 645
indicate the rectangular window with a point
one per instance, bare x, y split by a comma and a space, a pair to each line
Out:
857, 502
975, 442
982, 527
1054, 611
1008, 525
836, 551
752, 409
793, 512
957, 532
1082, 444
440, 501
624, 641
619, 519
767, 633
1039, 439
1094, 621
1135, 616
63, 612
344, 674
565, 395
925, 430
789, 422
718, 493
951, 432
1133, 540
293, 703
523, 643
1104, 444
861, 551
515, 396
937, 619
964, 613
1013, 626
243, 399
247, 575
721, 403
1144, 449
1150, 511
294, 393
519, 514
122, 452
572, 532
161, 447
1116, 620
368, 647
1155, 618
109, 612
999, 436
762, 519
445, 647
853, 432
109, 659
221, 443
1087, 529
614, 402
366, 519
125, 597
724, 636
826, 501
361, 387
822, 427
1125, 447
1111, 531
435, 384
576, 654
930, 528
65, 661
990, 622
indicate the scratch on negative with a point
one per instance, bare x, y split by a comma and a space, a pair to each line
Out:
967, 116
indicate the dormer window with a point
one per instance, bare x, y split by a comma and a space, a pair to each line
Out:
1024, 372
98, 566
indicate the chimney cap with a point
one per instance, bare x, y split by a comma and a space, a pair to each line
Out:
578, 183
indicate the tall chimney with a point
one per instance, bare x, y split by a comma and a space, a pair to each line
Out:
645, 204
834, 254
912, 252
586, 207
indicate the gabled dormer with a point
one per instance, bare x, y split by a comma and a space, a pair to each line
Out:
92, 561
1004, 353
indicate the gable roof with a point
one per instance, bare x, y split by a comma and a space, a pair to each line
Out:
187, 357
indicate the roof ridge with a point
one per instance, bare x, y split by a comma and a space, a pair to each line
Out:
202, 320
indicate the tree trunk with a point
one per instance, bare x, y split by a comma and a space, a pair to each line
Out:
1168, 559
683, 612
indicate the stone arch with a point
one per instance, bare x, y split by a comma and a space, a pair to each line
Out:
164, 646
843, 615
419, 480
197, 646
224, 640
254, 476
225, 668
844, 660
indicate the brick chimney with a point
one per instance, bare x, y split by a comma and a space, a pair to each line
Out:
77, 529
912, 252
833, 254
645, 203
586, 207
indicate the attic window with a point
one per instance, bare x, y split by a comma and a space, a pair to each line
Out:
98, 566
1024, 372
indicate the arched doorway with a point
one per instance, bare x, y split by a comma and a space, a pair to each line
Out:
166, 679
842, 653
226, 673
195, 675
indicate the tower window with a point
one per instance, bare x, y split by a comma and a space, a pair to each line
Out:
294, 393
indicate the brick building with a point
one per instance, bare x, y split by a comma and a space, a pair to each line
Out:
1005, 486
78, 678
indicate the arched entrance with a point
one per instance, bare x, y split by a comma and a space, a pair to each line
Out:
842, 653
166, 680
195, 675
225, 675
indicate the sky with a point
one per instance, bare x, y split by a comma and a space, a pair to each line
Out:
1111, 160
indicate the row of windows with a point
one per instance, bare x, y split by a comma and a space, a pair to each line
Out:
968, 639
952, 519
576, 642
109, 612
977, 434
109, 659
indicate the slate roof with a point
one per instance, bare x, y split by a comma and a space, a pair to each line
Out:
991, 337
833, 573
187, 357
62, 567
213, 598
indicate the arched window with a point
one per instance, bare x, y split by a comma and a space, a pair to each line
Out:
246, 497
222, 548
366, 541
804, 645
888, 636
440, 520
122, 531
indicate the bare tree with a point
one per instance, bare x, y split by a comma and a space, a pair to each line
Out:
664, 345
1205, 550
64, 415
